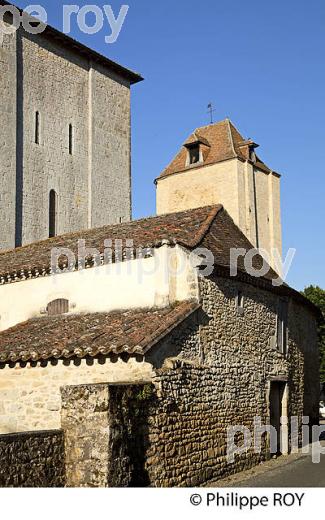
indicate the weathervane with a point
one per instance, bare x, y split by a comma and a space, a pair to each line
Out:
210, 111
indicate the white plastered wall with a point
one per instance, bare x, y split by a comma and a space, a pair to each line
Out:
139, 283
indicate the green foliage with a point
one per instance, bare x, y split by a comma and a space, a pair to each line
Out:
145, 393
139, 404
317, 296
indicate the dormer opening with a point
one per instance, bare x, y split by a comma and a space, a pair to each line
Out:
197, 148
247, 149
252, 154
194, 154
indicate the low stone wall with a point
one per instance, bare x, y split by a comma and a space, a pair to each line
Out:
32, 459
170, 434
106, 434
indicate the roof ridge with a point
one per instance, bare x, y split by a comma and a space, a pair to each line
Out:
235, 128
203, 230
70, 234
213, 124
33, 260
231, 137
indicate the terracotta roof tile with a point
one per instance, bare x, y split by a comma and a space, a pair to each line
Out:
186, 228
209, 227
223, 139
131, 332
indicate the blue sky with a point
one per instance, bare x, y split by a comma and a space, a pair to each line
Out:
261, 64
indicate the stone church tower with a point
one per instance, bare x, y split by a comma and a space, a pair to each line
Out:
217, 165
64, 138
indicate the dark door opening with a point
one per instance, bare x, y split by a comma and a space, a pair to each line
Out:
276, 410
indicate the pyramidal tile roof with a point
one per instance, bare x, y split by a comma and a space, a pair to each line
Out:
224, 142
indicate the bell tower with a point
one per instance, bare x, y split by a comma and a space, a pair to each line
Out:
216, 165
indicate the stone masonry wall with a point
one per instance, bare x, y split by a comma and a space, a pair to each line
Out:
8, 140
30, 395
212, 372
187, 441
244, 344
93, 184
111, 149
227, 382
303, 359
32, 460
55, 83
105, 430
85, 421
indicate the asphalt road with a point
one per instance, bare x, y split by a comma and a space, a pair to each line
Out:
294, 470
298, 473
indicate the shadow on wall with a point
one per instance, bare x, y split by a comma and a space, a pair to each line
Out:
34, 459
184, 342
129, 408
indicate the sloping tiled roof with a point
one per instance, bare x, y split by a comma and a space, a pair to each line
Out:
196, 138
209, 227
186, 228
223, 237
189, 229
131, 332
224, 140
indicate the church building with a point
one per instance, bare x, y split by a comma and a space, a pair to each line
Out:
128, 349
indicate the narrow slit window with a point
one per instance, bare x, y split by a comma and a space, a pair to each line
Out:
70, 139
53, 209
37, 128
282, 326
240, 303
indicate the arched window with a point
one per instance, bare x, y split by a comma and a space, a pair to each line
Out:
53, 209
59, 306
